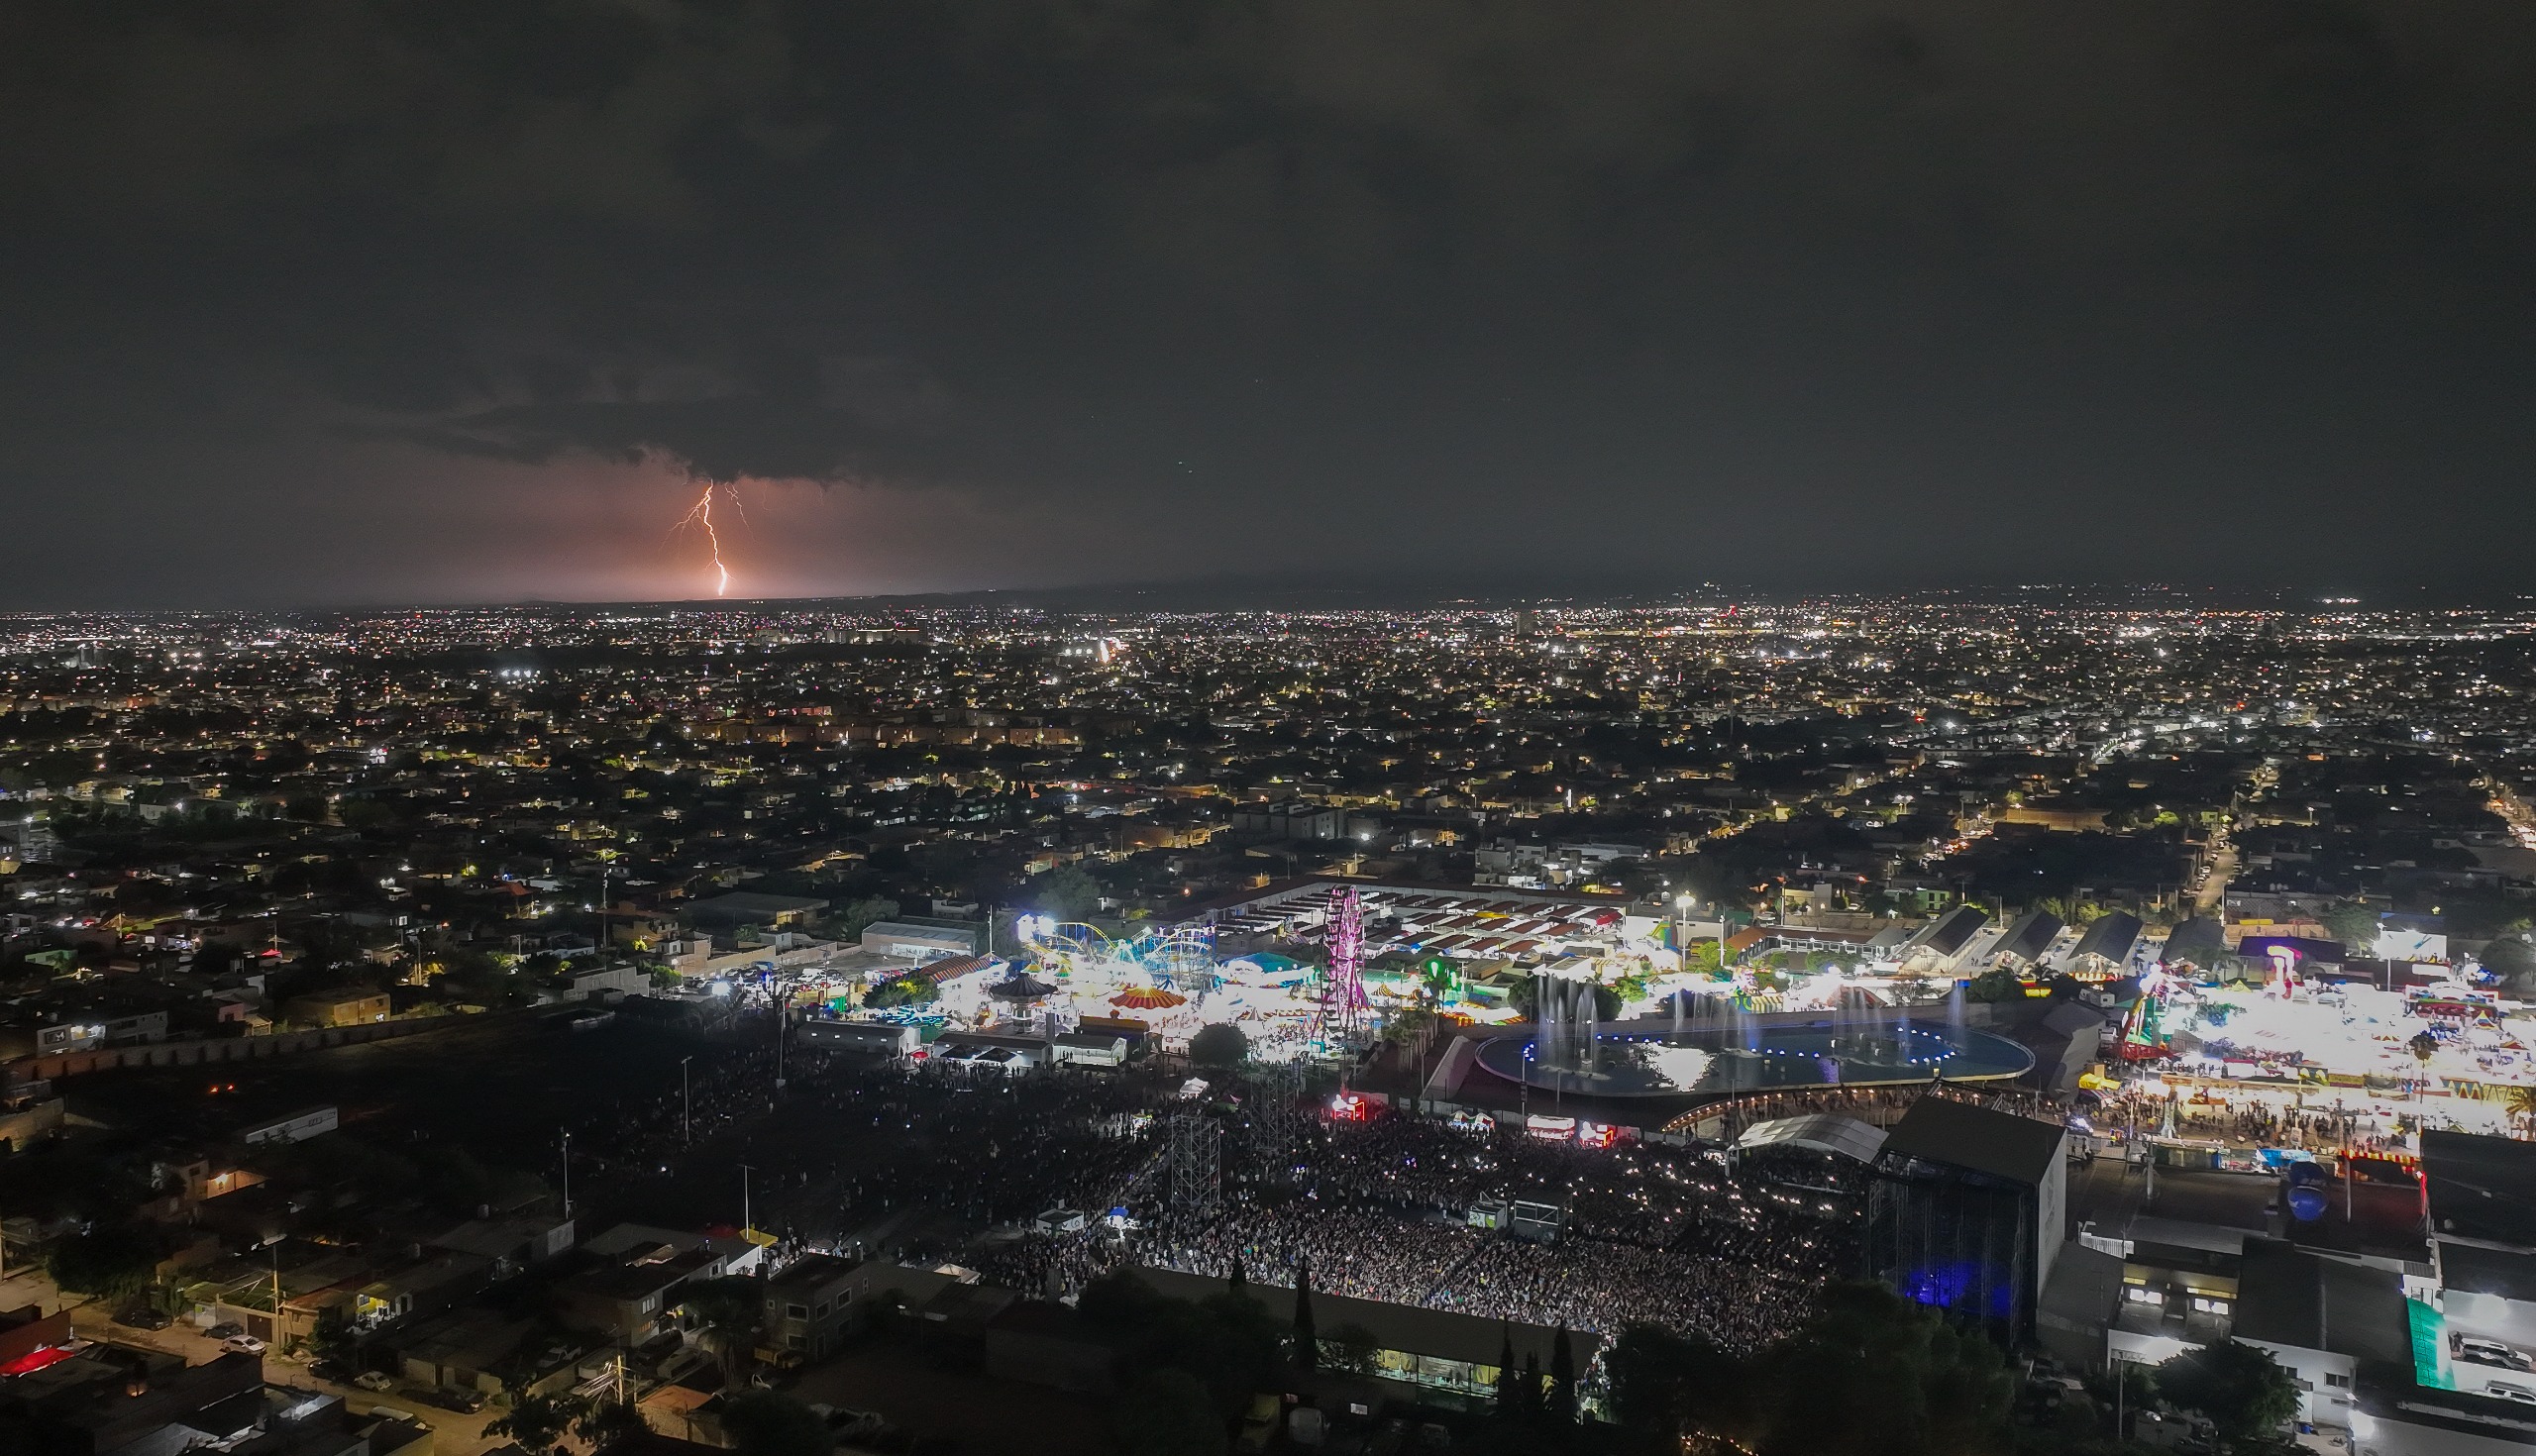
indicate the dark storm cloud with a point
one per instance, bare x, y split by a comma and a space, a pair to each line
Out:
1797, 291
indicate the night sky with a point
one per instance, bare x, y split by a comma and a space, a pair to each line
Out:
462, 300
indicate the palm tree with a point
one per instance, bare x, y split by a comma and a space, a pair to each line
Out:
1438, 981
2522, 1104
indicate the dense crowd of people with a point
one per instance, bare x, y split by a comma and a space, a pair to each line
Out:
1378, 1208
1625, 1191
1364, 1253
972, 1149
981, 1148
1877, 1105
1742, 1285
1650, 1233
730, 1085
2254, 1122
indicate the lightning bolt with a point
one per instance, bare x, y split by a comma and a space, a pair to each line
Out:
701, 515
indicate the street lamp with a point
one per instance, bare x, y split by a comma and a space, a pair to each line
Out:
685, 1104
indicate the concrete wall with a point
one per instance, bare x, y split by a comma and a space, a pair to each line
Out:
229, 1049
31, 1123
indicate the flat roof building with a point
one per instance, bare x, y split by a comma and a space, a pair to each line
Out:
918, 942
870, 1038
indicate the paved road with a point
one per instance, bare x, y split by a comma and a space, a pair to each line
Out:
2223, 867
454, 1433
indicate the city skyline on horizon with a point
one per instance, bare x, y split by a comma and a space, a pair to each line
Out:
1234, 596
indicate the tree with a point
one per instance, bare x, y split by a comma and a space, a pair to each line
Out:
2522, 1104
1226, 1341
1442, 978
2423, 1046
113, 1263
2134, 1387
906, 991
1169, 1412
538, 1423
1910, 1384
1967, 1389
1510, 1381
2354, 925
1307, 1340
1068, 892
471, 978
453, 1180
1407, 1024
1562, 1377
1671, 1385
860, 914
2243, 1391
69, 1181
2512, 961
609, 1420
1647, 1370
727, 1311
1352, 1348
1998, 984
1220, 1044
770, 1423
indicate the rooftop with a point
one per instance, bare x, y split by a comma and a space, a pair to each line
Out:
1823, 1132
2480, 1188
1942, 1130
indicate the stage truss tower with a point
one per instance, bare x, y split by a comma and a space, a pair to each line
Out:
1197, 1163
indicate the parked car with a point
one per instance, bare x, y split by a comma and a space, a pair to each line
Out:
144, 1316
226, 1330
2501, 1392
465, 1401
2492, 1352
242, 1345
372, 1380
